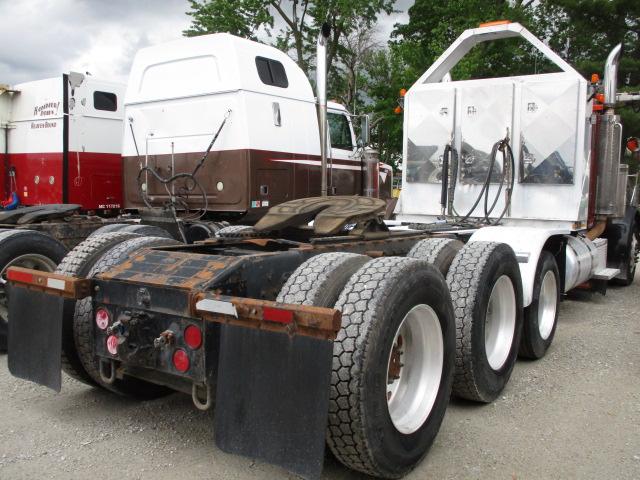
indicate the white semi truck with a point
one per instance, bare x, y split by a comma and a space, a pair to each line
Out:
326, 325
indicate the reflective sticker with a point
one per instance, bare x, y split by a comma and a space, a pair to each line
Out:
55, 283
265, 203
217, 306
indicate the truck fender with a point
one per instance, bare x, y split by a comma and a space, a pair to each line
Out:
527, 243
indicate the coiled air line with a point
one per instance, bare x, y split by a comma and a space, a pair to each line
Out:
449, 179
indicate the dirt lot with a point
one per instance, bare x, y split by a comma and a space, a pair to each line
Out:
574, 414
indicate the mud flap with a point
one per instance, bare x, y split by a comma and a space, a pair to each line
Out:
272, 397
35, 336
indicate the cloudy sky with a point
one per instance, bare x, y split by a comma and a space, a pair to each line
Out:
44, 38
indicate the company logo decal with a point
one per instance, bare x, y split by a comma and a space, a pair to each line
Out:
46, 109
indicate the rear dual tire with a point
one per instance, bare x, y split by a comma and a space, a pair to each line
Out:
78, 263
383, 416
83, 322
137, 228
486, 290
541, 317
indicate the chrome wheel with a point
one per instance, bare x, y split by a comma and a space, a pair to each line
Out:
29, 260
547, 304
414, 369
500, 322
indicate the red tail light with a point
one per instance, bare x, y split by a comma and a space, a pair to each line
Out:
112, 344
193, 337
181, 360
102, 318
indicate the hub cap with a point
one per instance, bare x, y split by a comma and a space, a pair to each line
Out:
547, 304
414, 369
500, 322
30, 260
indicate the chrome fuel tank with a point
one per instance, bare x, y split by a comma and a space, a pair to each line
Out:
581, 259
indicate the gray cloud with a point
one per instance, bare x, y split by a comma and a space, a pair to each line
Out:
44, 38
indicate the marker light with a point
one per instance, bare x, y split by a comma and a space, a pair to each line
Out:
493, 24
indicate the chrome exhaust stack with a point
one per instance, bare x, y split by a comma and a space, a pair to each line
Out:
611, 76
321, 92
610, 200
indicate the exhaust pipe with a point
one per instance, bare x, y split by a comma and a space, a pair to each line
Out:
611, 76
321, 92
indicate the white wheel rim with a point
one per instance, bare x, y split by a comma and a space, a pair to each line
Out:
500, 323
419, 348
547, 304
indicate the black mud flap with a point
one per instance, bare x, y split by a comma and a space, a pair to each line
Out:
272, 398
35, 333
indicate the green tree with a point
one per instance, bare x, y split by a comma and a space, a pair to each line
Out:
385, 75
241, 17
583, 32
302, 20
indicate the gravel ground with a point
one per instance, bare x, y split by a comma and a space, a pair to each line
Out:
573, 414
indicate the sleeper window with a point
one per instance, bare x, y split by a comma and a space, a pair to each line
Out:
272, 72
105, 101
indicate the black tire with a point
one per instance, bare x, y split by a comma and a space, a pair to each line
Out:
440, 252
198, 231
319, 280
631, 258
109, 228
78, 263
361, 433
147, 230
534, 343
15, 246
471, 279
83, 323
235, 231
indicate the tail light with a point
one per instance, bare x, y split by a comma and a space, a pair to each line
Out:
112, 344
102, 318
181, 360
193, 337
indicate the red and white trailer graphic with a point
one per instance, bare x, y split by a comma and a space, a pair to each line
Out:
61, 142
